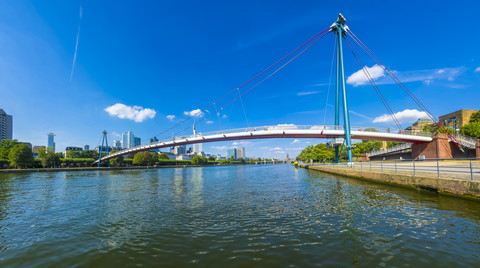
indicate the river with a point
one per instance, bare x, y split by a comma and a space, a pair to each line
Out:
229, 216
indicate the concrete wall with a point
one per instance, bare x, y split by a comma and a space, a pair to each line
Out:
451, 186
392, 156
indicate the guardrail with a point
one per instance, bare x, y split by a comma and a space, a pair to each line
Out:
464, 169
396, 148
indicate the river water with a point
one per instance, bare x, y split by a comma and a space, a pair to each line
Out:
231, 216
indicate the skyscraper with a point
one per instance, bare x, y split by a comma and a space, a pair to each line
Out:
51, 141
136, 141
240, 153
178, 150
6, 126
232, 152
128, 140
197, 148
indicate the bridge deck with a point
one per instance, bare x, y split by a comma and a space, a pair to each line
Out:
271, 132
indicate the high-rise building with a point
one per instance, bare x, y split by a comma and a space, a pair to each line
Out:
137, 141
6, 126
232, 152
178, 150
197, 148
128, 140
117, 143
86, 147
240, 153
153, 140
51, 141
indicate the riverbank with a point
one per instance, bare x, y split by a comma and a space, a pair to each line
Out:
34, 170
462, 188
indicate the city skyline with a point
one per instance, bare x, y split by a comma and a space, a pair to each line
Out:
139, 78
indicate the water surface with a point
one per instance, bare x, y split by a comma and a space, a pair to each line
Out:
265, 216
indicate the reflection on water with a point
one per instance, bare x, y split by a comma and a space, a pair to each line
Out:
265, 216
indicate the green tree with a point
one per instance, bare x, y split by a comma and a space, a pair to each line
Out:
211, 158
163, 156
475, 118
20, 156
232, 158
471, 129
48, 158
199, 160
5, 146
139, 159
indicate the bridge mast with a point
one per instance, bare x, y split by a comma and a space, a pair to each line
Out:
100, 149
340, 30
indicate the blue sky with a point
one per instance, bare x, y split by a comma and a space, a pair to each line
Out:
63, 63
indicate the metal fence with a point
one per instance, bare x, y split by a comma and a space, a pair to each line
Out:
463, 169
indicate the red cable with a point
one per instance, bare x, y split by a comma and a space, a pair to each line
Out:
248, 81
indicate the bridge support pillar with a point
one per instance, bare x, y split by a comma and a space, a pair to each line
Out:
477, 148
439, 147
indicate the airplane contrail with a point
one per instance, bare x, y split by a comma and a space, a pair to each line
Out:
76, 46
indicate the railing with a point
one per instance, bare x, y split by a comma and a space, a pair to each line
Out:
280, 127
463, 169
400, 147
465, 141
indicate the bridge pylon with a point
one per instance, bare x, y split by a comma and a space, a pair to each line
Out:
340, 29
100, 149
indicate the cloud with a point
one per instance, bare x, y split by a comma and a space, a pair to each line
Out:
279, 152
405, 116
359, 78
115, 134
477, 70
76, 45
241, 143
219, 147
295, 141
427, 76
225, 116
135, 113
275, 149
361, 115
194, 113
305, 93
209, 122
170, 117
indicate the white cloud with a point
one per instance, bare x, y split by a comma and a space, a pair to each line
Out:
194, 113
275, 149
170, 117
359, 78
279, 152
305, 93
477, 70
235, 143
241, 143
295, 141
427, 76
115, 134
219, 147
405, 116
135, 113
225, 116
209, 122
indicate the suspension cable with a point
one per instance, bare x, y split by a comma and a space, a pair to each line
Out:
263, 80
248, 81
330, 80
406, 90
372, 82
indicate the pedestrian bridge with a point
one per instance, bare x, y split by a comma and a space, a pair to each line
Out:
282, 131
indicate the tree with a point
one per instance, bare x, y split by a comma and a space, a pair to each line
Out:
48, 158
163, 156
232, 158
199, 160
471, 129
20, 156
475, 118
5, 146
139, 159
72, 154
211, 158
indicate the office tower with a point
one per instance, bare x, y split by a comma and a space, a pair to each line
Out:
6, 126
240, 153
128, 140
178, 150
86, 147
232, 152
51, 141
197, 148
137, 141
153, 140
117, 143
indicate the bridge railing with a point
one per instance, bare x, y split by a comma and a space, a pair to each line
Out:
279, 127
400, 147
465, 140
